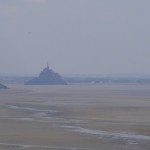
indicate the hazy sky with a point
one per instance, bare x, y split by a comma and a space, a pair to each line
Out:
75, 36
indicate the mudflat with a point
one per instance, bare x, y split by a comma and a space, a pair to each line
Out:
75, 117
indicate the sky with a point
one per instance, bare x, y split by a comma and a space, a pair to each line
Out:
75, 36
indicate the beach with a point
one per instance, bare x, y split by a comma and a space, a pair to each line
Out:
75, 117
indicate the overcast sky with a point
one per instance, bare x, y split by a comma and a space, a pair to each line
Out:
75, 36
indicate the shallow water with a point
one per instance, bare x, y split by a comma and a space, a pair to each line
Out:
92, 115
26, 147
111, 134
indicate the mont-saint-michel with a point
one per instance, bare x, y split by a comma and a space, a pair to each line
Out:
47, 77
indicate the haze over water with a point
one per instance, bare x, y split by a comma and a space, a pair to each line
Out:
75, 36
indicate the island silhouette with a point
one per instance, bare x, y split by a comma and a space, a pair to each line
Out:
47, 77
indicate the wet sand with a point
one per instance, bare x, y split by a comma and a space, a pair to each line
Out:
75, 117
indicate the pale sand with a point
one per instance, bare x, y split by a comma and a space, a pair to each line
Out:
75, 117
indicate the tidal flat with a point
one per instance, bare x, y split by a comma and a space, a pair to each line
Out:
75, 117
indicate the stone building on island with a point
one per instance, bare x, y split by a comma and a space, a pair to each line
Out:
47, 77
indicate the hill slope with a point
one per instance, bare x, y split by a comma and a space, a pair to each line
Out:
3, 86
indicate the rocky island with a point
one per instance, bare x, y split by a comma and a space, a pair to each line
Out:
47, 77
